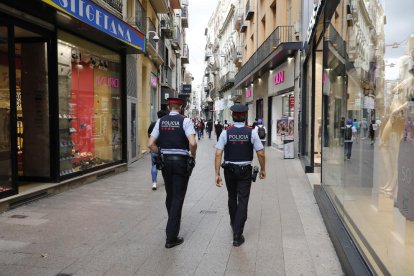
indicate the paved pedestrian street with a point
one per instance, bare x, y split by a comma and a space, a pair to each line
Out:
116, 226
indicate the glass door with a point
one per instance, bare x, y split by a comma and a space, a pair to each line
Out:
6, 183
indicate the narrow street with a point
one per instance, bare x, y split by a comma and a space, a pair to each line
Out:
116, 226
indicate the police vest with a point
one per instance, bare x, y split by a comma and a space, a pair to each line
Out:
239, 147
172, 134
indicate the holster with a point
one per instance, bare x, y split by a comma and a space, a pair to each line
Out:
190, 165
159, 163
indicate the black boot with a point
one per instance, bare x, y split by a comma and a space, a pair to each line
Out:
238, 240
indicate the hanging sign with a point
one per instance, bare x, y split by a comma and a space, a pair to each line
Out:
98, 18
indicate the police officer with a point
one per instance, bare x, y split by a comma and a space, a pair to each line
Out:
175, 137
238, 143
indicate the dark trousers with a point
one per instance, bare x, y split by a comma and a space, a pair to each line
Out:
348, 149
238, 183
176, 180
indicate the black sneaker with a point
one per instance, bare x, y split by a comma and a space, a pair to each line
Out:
177, 241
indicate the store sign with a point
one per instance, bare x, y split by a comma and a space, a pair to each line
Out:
100, 19
312, 22
279, 77
154, 81
186, 89
248, 93
107, 81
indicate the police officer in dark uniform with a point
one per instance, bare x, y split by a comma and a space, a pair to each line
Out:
175, 136
238, 143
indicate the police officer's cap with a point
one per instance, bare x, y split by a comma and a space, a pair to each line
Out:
175, 101
239, 108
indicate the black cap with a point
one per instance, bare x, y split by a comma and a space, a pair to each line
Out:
175, 101
239, 108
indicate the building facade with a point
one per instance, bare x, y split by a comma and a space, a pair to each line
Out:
359, 67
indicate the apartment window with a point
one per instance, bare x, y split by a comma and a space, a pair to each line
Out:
140, 17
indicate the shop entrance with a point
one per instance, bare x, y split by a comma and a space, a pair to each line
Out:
24, 108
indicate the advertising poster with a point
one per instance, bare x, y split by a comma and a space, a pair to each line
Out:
291, 128
282, 126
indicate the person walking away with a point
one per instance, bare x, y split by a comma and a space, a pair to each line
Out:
154, 155
174, 137
356, 126
349, 137
226, 125
342, 130
209, 128
202, 126
372, 128
261, 131
218, 128
238, 143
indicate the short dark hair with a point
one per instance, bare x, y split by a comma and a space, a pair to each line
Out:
240, 117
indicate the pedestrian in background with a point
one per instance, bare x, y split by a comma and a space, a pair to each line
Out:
372, 127
209, 128
238, 143
218, 128
175, 136
349, 137
356, 126
154, 155
261, 131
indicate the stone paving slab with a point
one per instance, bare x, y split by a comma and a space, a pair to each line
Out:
116, 226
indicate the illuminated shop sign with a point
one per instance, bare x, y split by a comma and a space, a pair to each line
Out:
279, 77
107, 81
154, 81
100, 19
248, 93
186, 88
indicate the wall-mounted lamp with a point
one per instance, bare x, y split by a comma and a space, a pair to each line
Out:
290, 59
156, 38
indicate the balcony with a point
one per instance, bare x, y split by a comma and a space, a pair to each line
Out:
227, 81
175, 4
280, 36
184, 17
159, 6
249, 10
114, 6
166, 26
185, 57
176, 40
243, 26
238, 55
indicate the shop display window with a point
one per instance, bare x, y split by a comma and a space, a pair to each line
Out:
89, 104
368, 84
5, 145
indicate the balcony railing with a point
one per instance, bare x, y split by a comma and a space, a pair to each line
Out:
166, 26
281, 34
184, 17
227, 81
337, 41
185, 57
114, 4
161, 49
176, 41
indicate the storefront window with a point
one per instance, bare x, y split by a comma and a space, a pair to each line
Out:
368, 87
5, 145
89, 104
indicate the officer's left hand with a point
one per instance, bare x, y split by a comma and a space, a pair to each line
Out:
219, 182
262, 174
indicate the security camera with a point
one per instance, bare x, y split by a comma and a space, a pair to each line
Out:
156, 38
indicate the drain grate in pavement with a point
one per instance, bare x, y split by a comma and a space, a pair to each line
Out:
63, 274
18, 216
208, 212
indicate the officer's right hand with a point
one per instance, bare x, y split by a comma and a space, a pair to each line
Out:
219, 182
